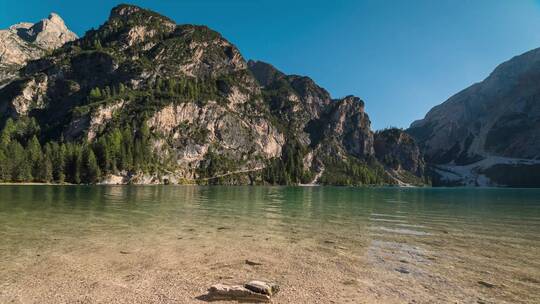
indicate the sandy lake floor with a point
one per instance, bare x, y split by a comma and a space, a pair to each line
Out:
113, 245
179, 268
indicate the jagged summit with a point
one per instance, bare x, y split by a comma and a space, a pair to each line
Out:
28, 41
265, 73
50, 33
124, 10
137, 14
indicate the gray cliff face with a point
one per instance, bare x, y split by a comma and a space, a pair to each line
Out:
26, 41
309, 113
499, 116
348, 124
336, 132
492, 121
294, 100
398, 151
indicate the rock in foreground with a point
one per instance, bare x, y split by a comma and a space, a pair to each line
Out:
262, 287
254, 291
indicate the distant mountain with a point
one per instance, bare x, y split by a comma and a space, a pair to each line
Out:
489, 133
27, 41
143, 100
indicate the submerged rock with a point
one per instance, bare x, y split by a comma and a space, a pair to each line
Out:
486, 284
402, 270
253, 263
262, 287
235, 292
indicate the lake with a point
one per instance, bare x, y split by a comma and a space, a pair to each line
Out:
168, 244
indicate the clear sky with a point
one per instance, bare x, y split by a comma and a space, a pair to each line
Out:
401, 56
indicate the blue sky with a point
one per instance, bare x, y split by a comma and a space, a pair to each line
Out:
401, 56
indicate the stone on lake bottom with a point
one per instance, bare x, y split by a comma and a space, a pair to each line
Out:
253, 263
235, 292
262, 287
486, 284
402, 270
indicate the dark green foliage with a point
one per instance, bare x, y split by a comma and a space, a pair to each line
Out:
22, 159
216, 164
289, 169
20, 168
20, 130
91, 169
353, 172
519, 175
44, 170
5, 173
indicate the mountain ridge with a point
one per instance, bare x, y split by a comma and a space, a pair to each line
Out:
143, 100
497, 118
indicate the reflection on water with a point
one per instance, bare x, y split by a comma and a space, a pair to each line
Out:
27, 211
431, 230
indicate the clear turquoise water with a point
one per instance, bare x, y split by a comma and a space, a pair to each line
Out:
470, 234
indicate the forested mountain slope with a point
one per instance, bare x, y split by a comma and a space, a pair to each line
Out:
144, 100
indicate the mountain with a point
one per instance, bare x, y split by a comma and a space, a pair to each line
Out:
489, 133
143, 100
25, 41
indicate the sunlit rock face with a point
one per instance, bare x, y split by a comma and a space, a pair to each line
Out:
25, 41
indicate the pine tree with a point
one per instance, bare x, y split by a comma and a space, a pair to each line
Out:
92, 172
45, 170
97, 44
159, 85
5, 136
103, 154
95, 94
33, 156
73, 163
5, 175
21, 169
107, 92
121, 88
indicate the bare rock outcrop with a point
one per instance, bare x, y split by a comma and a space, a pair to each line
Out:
26, 41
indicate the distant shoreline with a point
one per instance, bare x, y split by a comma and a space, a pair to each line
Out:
188, 184
33, 184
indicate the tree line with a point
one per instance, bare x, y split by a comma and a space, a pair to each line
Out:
24, 159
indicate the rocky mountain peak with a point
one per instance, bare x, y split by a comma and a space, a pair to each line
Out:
398, 151
49, 33
26, 41
131, 28
265, 73
123, 10
488, 128
54, 17
353, 102
137, 16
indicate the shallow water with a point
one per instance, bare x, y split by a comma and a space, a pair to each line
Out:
353, 245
